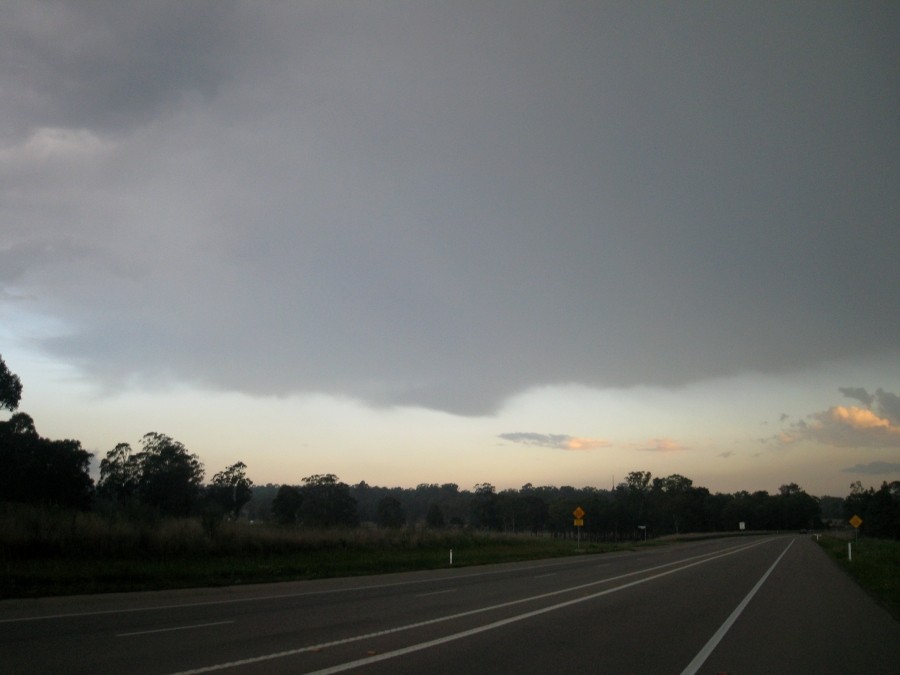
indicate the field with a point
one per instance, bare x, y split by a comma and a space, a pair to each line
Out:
55, 553
50, 552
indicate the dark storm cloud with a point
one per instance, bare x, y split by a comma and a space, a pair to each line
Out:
542, 440
109, 65
442, 205
874, 468
884, 403
888, 404
858, 394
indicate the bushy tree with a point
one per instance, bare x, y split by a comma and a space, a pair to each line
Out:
38, 470
434, 517
286, 505
163, 476
171, 477
832, 507
447, 497
10, 388
796, 509
120, 475
327, 502
390, 513
632, 498
857, 502
484, 511
878, 509
230, 489
523, 510
673, 503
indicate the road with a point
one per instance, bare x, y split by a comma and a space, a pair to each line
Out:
739, 605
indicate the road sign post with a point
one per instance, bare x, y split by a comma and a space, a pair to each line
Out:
856, 521
579, 523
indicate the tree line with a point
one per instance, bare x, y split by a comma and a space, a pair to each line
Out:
879, 509
162, 478
639, 505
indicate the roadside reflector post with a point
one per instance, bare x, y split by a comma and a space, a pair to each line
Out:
451, 557
849, 551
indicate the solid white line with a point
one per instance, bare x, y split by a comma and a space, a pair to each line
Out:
169, 630
708, 648
425, 595
699, 560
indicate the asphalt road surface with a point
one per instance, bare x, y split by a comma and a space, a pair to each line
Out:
739, 605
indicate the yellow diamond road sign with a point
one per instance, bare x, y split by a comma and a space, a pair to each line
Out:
578, 513
856, 521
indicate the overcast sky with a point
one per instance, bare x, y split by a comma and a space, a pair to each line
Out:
465, 242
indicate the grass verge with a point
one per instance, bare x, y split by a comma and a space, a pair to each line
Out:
875, 566
45, 553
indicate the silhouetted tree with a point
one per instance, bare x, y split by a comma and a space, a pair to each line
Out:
230, 489
631, 502
390, 513
163, 476
10, 388
327, 502
523, 510
171, 477
120, 475
672, 504
879, 510
484, 512
832, 507
434, 517
796, 509
38, 470
286, 505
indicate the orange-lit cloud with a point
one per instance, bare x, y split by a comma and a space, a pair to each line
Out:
587, 443
664, 445
846, 426
557, 441
788, 438
657, 445
859, 418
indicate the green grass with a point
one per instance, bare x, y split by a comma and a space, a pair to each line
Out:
46, 553
875, 566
